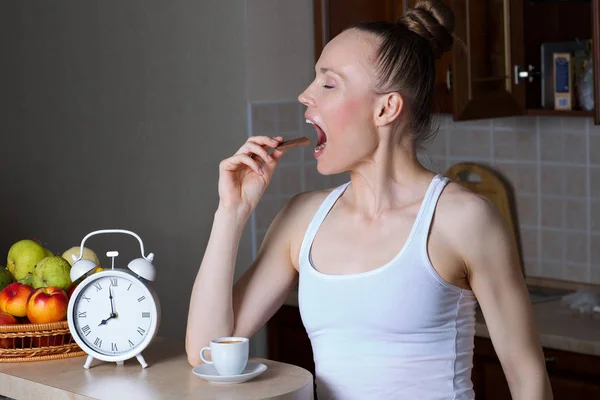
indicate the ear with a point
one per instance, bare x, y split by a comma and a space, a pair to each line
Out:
389, 106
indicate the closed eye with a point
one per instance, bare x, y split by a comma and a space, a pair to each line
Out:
328, 86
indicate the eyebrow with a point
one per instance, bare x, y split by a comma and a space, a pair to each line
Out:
325, 70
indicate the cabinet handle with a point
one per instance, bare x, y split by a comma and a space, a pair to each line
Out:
449, 78
521, 74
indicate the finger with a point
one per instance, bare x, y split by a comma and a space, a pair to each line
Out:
266, 140
269, 168
235, 162
255, 151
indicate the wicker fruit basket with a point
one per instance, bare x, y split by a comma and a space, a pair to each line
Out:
37, 342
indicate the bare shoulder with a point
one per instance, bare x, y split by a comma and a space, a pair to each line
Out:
469, 221
291, 222
305, 203
300, 209
465, 208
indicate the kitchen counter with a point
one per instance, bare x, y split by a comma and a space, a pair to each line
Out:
559, 327
168, 376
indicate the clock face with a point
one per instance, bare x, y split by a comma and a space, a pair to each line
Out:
114, 314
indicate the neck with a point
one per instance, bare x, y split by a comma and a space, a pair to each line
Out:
393, 175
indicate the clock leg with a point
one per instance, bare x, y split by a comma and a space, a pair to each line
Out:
140, 358
88, 362
120, 362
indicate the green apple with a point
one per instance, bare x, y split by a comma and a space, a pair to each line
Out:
52, 271
23, 256
6, 278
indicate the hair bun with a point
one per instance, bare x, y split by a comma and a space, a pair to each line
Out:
434, 21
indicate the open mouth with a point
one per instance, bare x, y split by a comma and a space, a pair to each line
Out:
321, 137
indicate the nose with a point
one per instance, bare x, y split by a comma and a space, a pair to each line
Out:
306, 97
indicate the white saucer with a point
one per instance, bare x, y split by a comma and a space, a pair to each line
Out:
209, 373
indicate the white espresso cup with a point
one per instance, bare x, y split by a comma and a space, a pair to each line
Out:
229, 354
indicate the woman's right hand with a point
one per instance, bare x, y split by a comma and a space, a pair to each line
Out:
242, 181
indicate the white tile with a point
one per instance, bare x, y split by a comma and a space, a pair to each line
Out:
576, 248
576, 273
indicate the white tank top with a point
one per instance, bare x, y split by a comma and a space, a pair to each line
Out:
399, 331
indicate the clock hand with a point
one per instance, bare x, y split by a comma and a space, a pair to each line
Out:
104, 321
113, 314
112, 309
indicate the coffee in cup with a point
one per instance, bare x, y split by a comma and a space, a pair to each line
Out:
229, 354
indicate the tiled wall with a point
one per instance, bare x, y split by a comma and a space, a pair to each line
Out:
553, 164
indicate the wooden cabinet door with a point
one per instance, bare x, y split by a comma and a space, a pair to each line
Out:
596, 57
567, 388
287, 339
483, 82
333, 16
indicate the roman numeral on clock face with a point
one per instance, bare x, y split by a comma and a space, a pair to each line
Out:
145, 315
97, 286
114, 282
141, 331
141, 298
81, 314
98, 342
130, 343
86, 330
113, 347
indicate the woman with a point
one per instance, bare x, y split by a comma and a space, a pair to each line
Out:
391, 264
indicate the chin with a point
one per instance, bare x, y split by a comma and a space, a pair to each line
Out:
325, 169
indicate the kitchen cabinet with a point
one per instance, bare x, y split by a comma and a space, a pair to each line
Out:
488, 72
287, 339
572, 375
331, 17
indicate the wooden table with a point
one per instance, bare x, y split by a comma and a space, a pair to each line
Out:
168, 376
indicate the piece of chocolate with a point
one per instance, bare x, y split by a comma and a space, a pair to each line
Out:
288, 144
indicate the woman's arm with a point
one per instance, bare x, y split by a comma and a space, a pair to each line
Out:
242, 182
491, 260
217, 308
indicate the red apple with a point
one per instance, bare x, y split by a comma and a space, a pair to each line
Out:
14, 298
47, 304
7, 319
71, 290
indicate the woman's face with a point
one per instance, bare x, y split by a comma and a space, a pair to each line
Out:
341, 102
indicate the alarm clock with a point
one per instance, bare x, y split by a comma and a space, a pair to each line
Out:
113, 314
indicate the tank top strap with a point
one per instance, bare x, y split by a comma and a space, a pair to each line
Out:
428, 207
318, 219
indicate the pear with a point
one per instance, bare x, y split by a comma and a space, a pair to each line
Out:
52, 271
28, 280
6, 278
23, 256
88, 254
